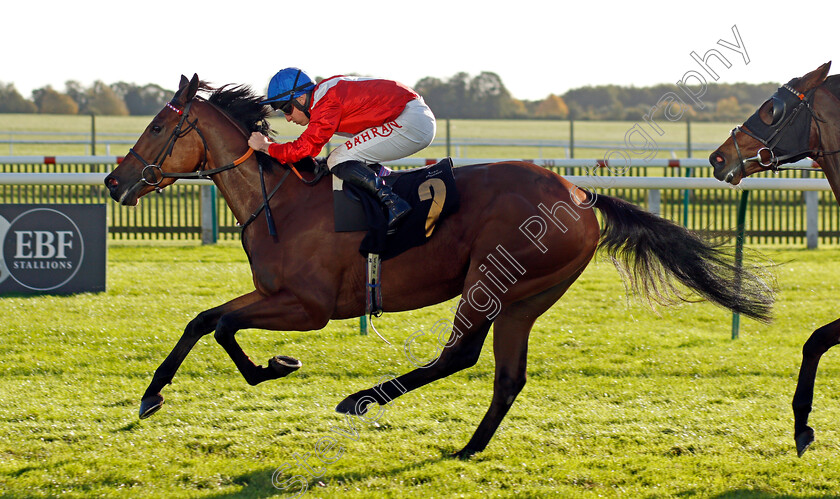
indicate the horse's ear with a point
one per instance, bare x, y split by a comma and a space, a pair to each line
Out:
823, 71
187, 89
192, 88
814, 78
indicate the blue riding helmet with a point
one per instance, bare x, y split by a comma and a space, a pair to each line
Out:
288, 84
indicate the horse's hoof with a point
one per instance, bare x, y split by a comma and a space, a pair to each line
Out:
150, 405
351, 406
283, 365
464, 454
804, 440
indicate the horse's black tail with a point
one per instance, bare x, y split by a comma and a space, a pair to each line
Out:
650, 252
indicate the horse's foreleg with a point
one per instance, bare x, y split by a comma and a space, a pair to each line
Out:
203, 324
280, 312
820, 341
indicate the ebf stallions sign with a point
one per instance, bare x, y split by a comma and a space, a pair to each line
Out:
56, 249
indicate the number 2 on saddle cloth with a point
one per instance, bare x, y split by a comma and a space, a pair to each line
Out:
430, 191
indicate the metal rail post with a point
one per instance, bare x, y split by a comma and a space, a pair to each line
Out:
739, 253
92, 134
448, 139
688, 173
209, 222
571, 137
812, 218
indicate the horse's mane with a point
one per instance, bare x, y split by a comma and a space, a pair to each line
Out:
832, 84
241, 104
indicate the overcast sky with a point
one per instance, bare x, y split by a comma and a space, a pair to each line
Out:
536, 47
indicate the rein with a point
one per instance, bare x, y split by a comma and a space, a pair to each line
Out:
271, 229
201, 174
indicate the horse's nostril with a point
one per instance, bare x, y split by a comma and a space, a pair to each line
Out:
717, 159
112, 184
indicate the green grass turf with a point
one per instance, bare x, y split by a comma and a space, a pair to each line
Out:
620, 401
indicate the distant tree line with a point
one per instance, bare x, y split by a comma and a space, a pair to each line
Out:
485, 96
118, 99
462, 96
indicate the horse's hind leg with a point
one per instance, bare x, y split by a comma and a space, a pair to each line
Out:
203, 324
510, 349
820, 341
462, 350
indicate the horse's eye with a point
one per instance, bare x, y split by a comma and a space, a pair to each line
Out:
156, 129
766, 112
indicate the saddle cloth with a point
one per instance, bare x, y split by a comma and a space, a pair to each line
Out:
430, 191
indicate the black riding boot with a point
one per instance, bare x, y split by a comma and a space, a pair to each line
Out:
359, 174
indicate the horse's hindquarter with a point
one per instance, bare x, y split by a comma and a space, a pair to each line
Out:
516, 219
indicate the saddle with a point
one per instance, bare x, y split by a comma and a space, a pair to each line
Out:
430, 191
433, 196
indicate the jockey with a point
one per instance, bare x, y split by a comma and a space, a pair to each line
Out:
382, 120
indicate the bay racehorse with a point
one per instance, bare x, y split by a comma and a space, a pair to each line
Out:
802, 119
521, 237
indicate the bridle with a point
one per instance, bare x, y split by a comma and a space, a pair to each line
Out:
153, 173
791, 109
